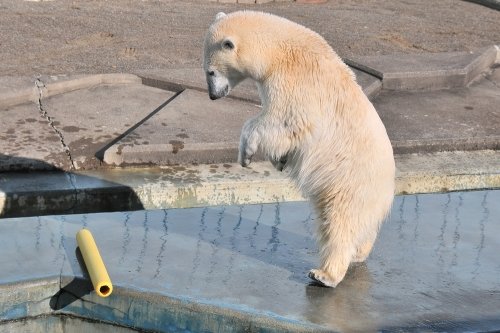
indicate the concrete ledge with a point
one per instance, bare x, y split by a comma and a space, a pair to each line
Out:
220, 184
56, 88
480, 64
56, 85
67, 295
447, 171
23, 194
426, 71
163, 154
443, 145
12, 98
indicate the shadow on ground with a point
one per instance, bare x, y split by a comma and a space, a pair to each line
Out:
25, 193
75, 289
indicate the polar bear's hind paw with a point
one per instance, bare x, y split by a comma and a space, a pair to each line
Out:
322, 278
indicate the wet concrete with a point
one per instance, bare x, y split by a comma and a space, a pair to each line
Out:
119, 189
28, 141
434, 267
65, 121
89, 119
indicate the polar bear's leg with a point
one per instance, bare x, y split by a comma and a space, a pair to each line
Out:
261, 132
249, 142
364, 249
336, 250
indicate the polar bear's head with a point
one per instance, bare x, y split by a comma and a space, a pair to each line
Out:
231, 52
219, 58
260, 46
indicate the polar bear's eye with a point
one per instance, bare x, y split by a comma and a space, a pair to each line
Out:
228, 45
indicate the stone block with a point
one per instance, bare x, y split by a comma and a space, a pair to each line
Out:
445, 120
426, 71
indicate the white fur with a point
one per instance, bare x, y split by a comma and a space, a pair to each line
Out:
315, 121
220, 15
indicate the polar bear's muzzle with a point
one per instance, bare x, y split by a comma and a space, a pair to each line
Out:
218, 85
216, 94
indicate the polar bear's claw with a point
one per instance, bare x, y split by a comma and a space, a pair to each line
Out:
279, 164
322, 278
245, 162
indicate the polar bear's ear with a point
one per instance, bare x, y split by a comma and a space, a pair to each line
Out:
220, 15
228, 44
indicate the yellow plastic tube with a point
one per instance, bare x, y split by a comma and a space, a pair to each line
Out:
95, 266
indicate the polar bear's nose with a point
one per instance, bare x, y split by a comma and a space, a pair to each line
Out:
211, 73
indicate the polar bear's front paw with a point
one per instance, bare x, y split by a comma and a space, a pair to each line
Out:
249, 142
244, 160
246, 153
322, 278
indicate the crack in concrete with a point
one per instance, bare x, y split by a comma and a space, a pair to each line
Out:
58, 295
43, 113
71, 179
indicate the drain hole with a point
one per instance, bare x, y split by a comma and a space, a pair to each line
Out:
104, 290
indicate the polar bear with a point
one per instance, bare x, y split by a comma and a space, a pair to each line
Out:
315, 122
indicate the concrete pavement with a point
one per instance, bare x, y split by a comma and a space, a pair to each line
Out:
166, 118
125, 36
